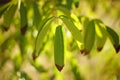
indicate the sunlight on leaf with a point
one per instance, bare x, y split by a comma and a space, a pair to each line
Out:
41, 35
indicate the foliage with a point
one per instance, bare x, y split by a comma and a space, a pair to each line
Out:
83, 45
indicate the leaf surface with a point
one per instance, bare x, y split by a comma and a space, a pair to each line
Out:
41, 35
89, 36
59, 48
72, 28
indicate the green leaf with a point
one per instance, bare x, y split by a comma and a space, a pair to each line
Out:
89, 36
37, 15
41, 35
101, 34
3, 9
9, 14
42, 23
73, 29
59, 48
69, 4
23, 15
113, 36
83, 20
23, 18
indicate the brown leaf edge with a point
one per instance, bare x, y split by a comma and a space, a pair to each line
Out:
59, 67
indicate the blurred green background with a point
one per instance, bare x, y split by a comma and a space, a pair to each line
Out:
18, 34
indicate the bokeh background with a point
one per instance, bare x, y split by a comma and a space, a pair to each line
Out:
17, 41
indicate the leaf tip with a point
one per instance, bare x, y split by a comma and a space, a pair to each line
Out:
117, 48
24, 29
34, 56
99, 48
59, 67
84, 52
